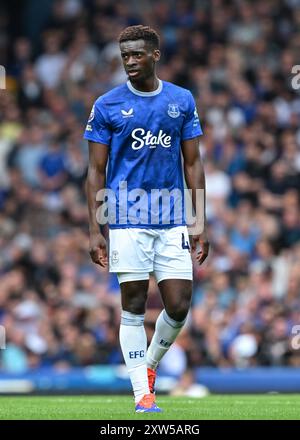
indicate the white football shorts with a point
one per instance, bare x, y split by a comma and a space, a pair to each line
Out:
134, 253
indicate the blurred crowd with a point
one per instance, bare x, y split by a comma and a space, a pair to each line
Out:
57, 307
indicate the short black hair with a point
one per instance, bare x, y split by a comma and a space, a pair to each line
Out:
140, 32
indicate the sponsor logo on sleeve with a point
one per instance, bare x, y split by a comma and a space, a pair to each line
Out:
92, 114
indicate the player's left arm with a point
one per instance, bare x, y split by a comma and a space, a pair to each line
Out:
195, 179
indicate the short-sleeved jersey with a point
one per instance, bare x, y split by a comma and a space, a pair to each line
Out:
143, 131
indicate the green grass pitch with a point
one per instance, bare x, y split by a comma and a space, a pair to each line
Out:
213, 407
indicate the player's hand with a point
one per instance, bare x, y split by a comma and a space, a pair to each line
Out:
202, 240
98, 250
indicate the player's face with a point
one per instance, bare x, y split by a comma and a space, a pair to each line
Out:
139, 59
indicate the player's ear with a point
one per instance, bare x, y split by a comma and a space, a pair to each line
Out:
156, 55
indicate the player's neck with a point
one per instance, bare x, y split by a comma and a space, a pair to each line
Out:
148, 85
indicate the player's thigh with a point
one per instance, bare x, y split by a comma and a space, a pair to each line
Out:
130, 250
176, 295
134, 288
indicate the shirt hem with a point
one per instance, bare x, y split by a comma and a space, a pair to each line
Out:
146, 226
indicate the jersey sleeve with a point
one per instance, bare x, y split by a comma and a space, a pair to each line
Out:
98, 128
191, 126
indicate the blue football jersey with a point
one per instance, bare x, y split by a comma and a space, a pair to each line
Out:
143, 131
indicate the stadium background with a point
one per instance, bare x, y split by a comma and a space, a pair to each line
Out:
60, 312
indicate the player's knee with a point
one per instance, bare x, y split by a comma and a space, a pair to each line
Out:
135, 307
177, 307
179, 311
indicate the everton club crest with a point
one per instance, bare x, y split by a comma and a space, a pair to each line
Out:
114, 257
173, 110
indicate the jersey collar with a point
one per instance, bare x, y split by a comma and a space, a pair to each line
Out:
145, 94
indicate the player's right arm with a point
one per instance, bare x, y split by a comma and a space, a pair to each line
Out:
96, 180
